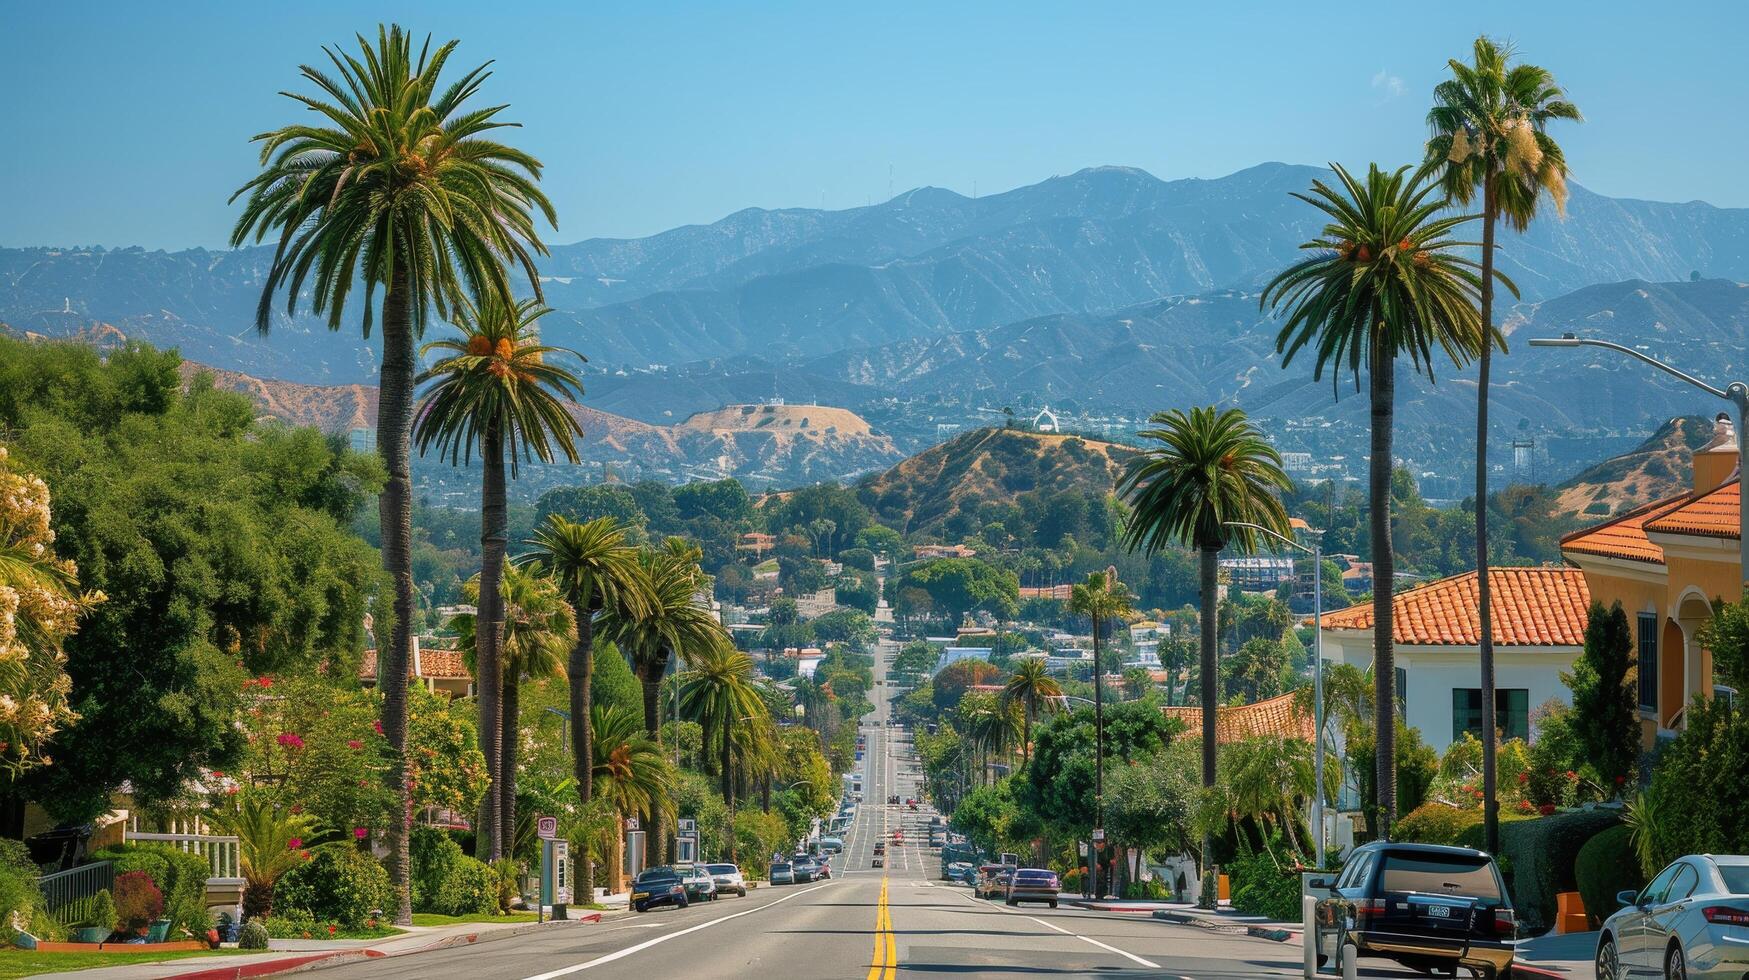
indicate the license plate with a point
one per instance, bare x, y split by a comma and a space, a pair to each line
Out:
1439, 911
638, 896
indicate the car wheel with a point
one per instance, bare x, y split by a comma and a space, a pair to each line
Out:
680, 904
1053, 904
1608, 961
742, 893
1012, 903
1675, 964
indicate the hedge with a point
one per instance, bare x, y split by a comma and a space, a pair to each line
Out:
1607, 864
1435, 823
470, 888
1538, 856
180, 875
340, 884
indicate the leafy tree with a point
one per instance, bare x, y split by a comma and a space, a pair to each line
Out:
1606, 717
405, 194
723, 500
1211, 469
957, 586
1386, 281
916, 657
1256, 669
851, 627
499, 390
1151, 802
1489, 124
580, 505
880, 539
1727, 636
956, 678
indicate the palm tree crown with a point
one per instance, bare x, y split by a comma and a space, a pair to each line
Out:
1212, 466
1034, 689
720, 694
497, 381
397, 184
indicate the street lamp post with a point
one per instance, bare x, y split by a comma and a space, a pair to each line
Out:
1737, 393
1316, 551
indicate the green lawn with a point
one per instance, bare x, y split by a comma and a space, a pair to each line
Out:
19, 963
433, 919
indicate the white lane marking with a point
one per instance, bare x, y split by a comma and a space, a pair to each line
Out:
1089, 939
1086, 939
629, 950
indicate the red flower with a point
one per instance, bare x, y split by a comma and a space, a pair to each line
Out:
1620, 779
378, 724
1524, 777
294, 843
360, 832
217, 774
1572, 775
265, 682
1547, 809
354, 744
297, 808
330, 929
290, 740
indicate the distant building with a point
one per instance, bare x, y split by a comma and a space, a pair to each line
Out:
1258, 573
943, 551
437, 670
1046, 421
955, 654
756, 542
816, 604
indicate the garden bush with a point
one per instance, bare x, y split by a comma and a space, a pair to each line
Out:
1538, 858
339, 884
1436, 823
1607, 865
180, 875
1698, 802
1265, 885
137, 900
434, 855
470, 888
102, 914
253, 935
509, 872
18, 891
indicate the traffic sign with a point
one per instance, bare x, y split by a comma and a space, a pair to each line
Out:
631, 823
688, 825
546, 828
1099, 833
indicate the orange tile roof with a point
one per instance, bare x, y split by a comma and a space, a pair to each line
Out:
1712, 514
1625, 536
1531, 606
1278, 716
434, 665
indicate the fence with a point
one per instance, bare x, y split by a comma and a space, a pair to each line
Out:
221, 852
67, 895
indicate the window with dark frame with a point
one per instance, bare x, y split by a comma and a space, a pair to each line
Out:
1648, 663
1511, 712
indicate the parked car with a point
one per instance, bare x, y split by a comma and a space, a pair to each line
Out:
728, 879
831, 845
1691, 921
878, 862
803, 868
961, 871
1033, 885
993, 881
658, 886
824, 870
782, 874
700, 885
1429, 907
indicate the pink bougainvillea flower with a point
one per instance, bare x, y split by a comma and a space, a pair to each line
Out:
360, 832
294, 843
354, 744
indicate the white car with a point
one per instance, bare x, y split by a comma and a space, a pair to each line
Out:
728, 879
1692, 921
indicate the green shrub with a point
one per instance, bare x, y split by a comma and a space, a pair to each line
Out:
509, 872
181, 875
1538, 857
1435, 823
102, 914
1607, 865
1264, 885
253, 935
1152, 890
1698, 802
18, 891
137, 900
471, 888
339, 884
434, 855
290, 924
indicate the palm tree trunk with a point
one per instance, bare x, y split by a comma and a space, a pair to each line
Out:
652, 703
1484, 587
489, 633
1209, 572
394, 436
582, 674
729, 785
1026, 735
1382, 384
508, 748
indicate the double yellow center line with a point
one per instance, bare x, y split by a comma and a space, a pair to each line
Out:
886, 948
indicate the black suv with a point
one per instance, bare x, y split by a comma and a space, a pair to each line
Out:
1428, 907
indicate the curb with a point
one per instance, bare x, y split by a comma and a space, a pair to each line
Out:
321, 961
1235, 928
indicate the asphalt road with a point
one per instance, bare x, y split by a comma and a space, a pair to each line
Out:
900, 921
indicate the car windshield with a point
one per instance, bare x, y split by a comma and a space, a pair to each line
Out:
1033, 876
1440, 874
721, 869
658, 874
1736, 878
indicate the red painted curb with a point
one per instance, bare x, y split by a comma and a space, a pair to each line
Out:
1537, 971
267, 968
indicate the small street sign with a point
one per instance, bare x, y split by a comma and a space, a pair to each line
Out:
631, 823
546, 828
1099, 833
688, 825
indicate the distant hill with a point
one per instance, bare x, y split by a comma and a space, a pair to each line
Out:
1657, 468
988, 465
808, 442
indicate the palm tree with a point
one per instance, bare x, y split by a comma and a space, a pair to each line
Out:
676, 620
539, 629
1489, 124
1266, 776
597, 572
496, 390
269, 843
719, 693
1387, 281
1211, 473
1032, 686
629, 770
1101, 598
398, 187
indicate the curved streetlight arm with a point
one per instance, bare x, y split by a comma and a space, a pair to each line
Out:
1284, 539
1569, 340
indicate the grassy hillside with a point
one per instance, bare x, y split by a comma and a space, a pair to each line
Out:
1657, 468
988, 465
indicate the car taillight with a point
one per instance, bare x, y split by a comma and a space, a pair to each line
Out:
1505, 923
1368, 907
1724, 915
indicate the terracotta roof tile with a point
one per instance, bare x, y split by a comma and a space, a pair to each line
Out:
1531, 606
1625, 536
1277, 716
434, 665
1712, 514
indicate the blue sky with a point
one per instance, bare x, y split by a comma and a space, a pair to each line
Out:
128, 123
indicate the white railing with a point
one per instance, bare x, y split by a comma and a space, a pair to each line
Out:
221, 852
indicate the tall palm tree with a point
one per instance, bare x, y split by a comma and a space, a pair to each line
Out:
676, 621
399, 186
539, 629
597, 572
1034, 689
497, 390
1386, 281
1489, 124
1211, 473
1102, 599
719, 692
629, 769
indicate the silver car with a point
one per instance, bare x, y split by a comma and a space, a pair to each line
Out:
728, 879
1691, 921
